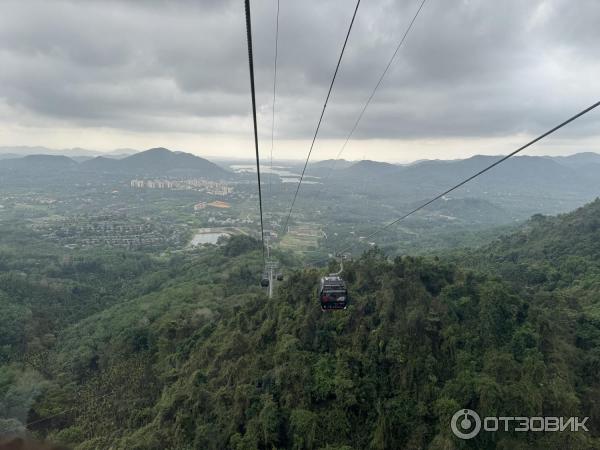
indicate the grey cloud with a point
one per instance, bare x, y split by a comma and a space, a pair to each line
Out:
470, 68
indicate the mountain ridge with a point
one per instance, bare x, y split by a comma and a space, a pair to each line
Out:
153, 162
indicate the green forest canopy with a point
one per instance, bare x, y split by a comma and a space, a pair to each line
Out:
134, 351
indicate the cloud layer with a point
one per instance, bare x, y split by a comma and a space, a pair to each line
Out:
470, 69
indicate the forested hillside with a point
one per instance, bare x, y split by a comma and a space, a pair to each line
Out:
548, 252
185, 352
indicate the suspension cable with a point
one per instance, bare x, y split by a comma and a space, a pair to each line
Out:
465, 181
274, 96
366, 105
65, 411
321, 117
251, 66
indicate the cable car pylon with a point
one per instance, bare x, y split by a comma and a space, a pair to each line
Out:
270, 273
270, 267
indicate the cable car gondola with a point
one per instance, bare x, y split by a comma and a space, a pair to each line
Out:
279, 276
333, 293
264, 281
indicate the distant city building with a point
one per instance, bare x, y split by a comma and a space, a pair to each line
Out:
137, 183
198, 184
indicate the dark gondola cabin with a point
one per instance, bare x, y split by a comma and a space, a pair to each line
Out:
279, 276
333, 293
264, 282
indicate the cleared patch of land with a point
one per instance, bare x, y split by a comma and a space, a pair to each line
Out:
302, 237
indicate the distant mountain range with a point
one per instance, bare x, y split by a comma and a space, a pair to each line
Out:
9, 152
518, 187
540, 178
520, 171
157, 161
153, 162
35, 163
326, 165
578, 159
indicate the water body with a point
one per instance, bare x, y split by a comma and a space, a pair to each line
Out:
296, 180
277, 170
283, 172
206, 238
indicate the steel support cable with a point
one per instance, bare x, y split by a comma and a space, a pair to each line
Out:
491, 166
65, 411
252, 89
74, 408
321, 117
274, 96
366, 105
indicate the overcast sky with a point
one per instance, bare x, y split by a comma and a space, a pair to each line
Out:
474, 76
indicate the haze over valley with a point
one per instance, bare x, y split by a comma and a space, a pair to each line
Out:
341, 202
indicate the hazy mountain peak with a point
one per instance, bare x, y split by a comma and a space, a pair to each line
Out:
159, 161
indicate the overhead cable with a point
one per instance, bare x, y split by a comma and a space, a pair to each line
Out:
252, 90
321, 117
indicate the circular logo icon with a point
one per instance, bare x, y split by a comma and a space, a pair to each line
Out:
465, 424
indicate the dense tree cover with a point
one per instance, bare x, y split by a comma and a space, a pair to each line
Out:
193, 355
60, 310
44, 293
420, 341
547, 253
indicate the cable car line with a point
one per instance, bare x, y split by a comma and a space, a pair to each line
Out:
267, 278
366, 105
491, 166
321, 117
274, 96
252, 89
65, 411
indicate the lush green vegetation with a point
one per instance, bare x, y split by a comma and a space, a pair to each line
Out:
124, 350
552, 252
